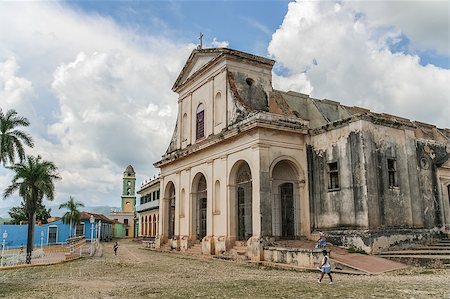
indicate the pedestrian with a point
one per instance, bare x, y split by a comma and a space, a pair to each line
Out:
322, 241
116, 246
325, 267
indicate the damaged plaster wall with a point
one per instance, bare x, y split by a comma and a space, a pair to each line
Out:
365, 198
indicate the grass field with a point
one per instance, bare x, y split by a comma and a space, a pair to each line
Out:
138, 273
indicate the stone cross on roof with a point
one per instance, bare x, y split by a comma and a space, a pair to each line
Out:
200, 38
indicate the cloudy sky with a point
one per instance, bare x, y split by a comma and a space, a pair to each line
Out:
94, 78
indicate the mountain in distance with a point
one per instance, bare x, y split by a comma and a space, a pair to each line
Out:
105, 210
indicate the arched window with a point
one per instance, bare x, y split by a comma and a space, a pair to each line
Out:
200, 124
217, 197
185, 126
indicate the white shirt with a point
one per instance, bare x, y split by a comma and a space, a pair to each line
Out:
326, 261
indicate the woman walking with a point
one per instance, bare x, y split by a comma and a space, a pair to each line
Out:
325, 267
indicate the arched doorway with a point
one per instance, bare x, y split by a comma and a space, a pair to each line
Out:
287, 210
199, 189
284, 200
170, 195
244, 202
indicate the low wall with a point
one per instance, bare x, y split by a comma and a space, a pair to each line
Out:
376, 241
302, 257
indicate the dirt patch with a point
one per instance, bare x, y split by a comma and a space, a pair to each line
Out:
137, 273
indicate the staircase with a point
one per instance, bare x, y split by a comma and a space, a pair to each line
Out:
195, 249
238, 253
434, 255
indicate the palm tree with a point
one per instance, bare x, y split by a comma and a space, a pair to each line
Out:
11, 139
34, 179
72, 216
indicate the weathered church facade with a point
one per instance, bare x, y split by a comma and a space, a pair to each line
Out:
250, 163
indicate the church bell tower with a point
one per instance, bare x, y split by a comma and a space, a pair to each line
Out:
129, 190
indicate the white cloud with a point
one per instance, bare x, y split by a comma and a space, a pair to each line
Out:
328, 49
426, 23
14, 90
219, 44
100, 95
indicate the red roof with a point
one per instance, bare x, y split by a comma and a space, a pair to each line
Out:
87, 216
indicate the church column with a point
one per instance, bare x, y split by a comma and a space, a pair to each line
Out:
161, 236
262, 211
208, 241
265, 202
209, 198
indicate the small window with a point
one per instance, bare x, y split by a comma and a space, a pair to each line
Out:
125, 221
157, 194
200, 132
392, 173
79, 231
333, 174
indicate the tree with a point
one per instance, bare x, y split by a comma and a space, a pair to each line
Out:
72, 216
12, 139
18, 214
34, 179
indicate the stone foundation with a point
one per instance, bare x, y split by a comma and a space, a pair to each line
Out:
375, 241
220, 245
174, 243
255, 249
208, 245
184, 243
307, 258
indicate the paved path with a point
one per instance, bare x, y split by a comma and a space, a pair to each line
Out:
367, 263
363, 262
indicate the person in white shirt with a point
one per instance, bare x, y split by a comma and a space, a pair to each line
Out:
325, 267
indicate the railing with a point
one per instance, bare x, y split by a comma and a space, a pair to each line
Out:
74, 248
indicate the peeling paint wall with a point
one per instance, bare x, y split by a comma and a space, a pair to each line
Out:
365, 199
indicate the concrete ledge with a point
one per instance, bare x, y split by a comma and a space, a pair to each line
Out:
38, 265
377, 240
302, 257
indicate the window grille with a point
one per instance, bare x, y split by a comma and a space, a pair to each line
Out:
333, 173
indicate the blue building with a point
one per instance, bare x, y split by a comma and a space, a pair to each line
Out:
57, 232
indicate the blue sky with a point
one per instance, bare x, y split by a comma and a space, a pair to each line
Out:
247, 25
95, 77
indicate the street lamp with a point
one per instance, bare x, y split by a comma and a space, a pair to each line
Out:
92, 220
99, 230
42, 241
5, 235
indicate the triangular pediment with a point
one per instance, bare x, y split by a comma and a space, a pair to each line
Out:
203, 58
197, 60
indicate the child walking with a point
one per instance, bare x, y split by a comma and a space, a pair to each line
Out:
325, 267
116, 246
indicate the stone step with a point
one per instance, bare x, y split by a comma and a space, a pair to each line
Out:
239, 251
440, 245
196, 248
435, 261
416, 252
431, 247
240, 243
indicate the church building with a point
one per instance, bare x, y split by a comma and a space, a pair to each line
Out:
127, 213
248, 163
